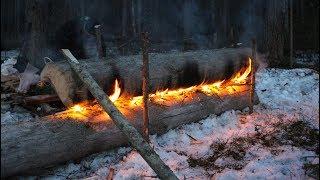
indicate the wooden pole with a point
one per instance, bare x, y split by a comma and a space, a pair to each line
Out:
252, 77
99, 41
291, 33
145, 83
131, 133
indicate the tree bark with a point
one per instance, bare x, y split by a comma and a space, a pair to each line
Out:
277, 33
100, 50
61, 137
34, 48
171, 70
130, 132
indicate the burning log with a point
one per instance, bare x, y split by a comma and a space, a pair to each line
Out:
82, 130
171, 70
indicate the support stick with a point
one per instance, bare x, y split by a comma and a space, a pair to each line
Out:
252, 77
131, 133
145, 83
291, 33
99, 41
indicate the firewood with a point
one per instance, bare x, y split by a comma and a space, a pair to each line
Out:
169, 70
38, 99
131, 133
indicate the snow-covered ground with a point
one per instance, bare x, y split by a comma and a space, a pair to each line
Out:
277, 141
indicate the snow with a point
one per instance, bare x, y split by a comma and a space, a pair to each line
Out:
9, 54
294, 90
7, 67
14, 117
285, 96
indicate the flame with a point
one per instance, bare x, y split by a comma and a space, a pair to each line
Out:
235, 84
241, 77
116, 92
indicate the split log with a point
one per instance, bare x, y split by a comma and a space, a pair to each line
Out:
29, 147
132, 135
170, 70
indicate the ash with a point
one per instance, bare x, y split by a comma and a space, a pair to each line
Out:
279, 140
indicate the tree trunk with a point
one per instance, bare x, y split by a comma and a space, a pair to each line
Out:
277, 33
124, 18
36, 43
171, 70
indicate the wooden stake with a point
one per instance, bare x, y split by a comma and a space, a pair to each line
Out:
252, 77
111, 173
131, 133
99, 41
145, 83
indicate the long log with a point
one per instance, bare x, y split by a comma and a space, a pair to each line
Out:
30, 147
169, 70
131, 133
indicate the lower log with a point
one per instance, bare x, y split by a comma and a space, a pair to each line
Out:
30, 147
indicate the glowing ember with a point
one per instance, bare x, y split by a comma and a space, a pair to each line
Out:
116, 93
78, 108
235, 84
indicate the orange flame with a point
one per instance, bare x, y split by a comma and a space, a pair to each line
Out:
116, 92
242, 77
235, 84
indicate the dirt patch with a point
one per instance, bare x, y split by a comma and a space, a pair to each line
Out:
299, 134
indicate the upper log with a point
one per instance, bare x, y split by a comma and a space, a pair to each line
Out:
169, 70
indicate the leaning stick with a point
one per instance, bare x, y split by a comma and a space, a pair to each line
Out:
131, 133
145, 84
252, 77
